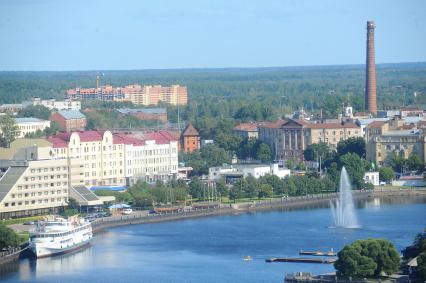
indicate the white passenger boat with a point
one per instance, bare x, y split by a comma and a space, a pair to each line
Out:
59, 236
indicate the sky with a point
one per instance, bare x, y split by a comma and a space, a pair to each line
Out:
40, 35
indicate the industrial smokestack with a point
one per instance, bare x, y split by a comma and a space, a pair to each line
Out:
370, 76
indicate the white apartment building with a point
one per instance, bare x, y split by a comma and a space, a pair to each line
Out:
151, 157
100, 158
52, 104
30, 125
32, 181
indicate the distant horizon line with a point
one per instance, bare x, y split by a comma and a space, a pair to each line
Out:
211, 68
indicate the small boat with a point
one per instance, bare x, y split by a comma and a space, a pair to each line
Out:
318, 253
247, 258
59, 236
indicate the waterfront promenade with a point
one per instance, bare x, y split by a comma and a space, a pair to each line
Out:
281, 203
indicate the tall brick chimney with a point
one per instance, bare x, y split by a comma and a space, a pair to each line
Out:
370, 76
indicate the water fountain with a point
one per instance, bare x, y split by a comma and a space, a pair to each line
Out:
344, 211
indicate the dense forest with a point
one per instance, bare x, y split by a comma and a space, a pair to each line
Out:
220, 97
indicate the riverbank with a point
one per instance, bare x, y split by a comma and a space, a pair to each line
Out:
223, 209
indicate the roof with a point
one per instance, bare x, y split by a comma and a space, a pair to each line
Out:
331, 125
71, 114
62, 139
84, 196
190, 131
8, 153
142, 110
402, 133
247, 127
411, 108
28, 120
160, 137
276, 124
375, 124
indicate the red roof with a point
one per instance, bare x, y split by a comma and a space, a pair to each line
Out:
160, 137
276, 124
190, 131
247, 127
375, 124
331, 125
62, 139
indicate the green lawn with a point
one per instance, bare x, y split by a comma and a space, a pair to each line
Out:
21, 220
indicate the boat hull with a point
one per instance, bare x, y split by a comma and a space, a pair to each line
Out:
42, 251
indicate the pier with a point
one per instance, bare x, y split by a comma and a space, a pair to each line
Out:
301, 260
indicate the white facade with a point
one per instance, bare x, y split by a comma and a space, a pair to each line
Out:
245, 170
372, 178
58, 105
30, 125
33, 182
151, 161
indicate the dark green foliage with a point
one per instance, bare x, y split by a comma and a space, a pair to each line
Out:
386, 174
52, 130
314, 152
421, 266
367, 258
8, 130
269, 185
355, 166
352, 145
8, 237
109, 119
35, 111
70, 212
208, 156
401, 165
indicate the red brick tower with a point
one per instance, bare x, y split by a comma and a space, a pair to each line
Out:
370, 77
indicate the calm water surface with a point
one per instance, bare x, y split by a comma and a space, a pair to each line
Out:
211, 249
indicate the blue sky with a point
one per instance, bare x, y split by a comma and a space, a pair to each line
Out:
160, 34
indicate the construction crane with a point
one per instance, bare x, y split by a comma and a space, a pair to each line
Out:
98, 78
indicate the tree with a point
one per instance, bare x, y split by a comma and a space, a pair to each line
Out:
196, 188
351, 145
314, 152
36, 111
386, 174
265, 191
355, 166
8, 130
415, 163
263, 153
421, 266
8, 237
367, 258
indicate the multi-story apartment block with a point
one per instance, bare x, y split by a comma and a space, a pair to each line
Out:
32, 181
289, 139
52, 104
137, 94
402, 143
30, 125
101, 158
69, 120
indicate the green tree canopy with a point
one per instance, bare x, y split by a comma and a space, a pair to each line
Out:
35, 111
386, 174
355, 166
8, 237
8, 130
367, 258
352, 145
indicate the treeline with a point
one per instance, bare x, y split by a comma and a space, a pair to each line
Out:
276, 90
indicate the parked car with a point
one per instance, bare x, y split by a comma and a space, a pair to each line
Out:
127, 211
29, 223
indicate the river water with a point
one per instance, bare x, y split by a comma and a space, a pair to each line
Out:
212, 249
